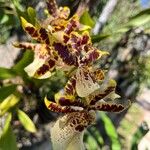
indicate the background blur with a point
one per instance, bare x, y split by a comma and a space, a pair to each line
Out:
121, 27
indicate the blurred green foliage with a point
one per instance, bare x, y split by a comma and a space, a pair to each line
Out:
8, 139
138, 135
94, 139
8, 20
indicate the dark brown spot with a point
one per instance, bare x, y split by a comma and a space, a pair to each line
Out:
74, 122
47, 41
51, 63
64, 102
70, 27
79, 128
43, 69
86, 48
77, 120
35, 34
30, 30
71, 125
64, 53
43, 34
85, 39
66, 38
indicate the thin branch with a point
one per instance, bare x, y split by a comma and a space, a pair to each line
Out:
106, 13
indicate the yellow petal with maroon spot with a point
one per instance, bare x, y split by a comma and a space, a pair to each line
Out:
40, 34
40, 67
72, 25
32, 68
41, 55
45, 70
63, 98
92, 55
58, 108
25, 45
29, 28
70, 86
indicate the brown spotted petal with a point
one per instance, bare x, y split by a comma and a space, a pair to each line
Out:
93, 55
40, 34
112, 96
41, 56
41, 65
85, 83
104, 90
72, 25
60, 65
45, 70
65, 55
73, 43
70, 86
43, 36
60, 109
41, 50
67, 96
86, 39
67, 132
25, 45
34, 66
109, 107
63, 99
78, 43
29, 28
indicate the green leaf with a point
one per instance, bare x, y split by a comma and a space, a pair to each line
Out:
111, 131
6, 91
26, 121
4, 19
7, 122
8, 103
95, 133
32, 15
99, 37
26, 60
86, 19
20, 10
8, 139
6, 73
91, 143
139, 19
138, 135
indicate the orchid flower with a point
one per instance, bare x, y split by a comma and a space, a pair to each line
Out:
65, 44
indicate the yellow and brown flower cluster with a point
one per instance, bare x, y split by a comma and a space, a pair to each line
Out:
65, 44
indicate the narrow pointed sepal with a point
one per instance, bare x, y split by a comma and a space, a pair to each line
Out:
60, 109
